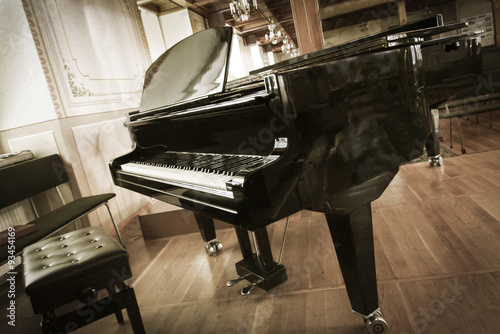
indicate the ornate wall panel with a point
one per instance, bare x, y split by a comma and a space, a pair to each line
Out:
92, 52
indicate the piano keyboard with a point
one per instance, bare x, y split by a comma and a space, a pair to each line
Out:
198, 171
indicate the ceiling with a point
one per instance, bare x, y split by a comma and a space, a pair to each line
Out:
334, 14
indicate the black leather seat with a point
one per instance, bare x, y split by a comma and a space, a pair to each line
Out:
75, 266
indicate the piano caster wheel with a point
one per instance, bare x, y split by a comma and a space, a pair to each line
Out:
213, 248
376, 323
436, 161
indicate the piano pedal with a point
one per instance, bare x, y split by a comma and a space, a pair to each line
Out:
237, 280
213, 248
254, 272
246, 290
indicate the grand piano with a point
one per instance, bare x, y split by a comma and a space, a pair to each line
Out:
325, 132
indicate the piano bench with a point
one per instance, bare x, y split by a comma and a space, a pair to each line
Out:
68, 272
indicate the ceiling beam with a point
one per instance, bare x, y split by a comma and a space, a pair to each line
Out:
260, 27
200, 2
349, 6
403, 18
179, 3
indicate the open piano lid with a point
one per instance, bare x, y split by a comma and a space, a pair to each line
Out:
193, 68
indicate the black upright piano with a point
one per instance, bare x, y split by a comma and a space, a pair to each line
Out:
326, 132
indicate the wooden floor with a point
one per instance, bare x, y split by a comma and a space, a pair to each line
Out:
437, 243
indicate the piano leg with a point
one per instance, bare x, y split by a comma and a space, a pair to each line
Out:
352, 236
432, 143
258, 268
207, 230
245, 245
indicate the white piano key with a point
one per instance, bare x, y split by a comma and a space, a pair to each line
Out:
199, 178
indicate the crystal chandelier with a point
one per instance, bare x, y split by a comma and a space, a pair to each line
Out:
286, 47
240, 9
273, 36
289, 48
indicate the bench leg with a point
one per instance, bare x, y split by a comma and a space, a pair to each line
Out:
459, 120
118, 314
48, 322
133, 311
451, 135
119, 317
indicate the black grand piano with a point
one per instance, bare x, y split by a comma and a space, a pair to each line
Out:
325, 132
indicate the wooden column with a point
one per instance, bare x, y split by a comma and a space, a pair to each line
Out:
307, 25
402, 12
215, 19
495, 8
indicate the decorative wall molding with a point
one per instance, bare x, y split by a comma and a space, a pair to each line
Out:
93, 53
42, 54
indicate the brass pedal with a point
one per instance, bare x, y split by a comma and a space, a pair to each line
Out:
237, 280
246, 290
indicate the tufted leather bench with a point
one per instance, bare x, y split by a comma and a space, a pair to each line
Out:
76, 266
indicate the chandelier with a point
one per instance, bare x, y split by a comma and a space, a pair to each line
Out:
273, 36
289, 48
240, 9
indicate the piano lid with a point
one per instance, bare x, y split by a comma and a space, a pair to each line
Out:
195, 67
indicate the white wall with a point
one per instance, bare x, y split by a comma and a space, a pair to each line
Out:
154, 34
176, 26
240, 62
181, 24
24, 94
